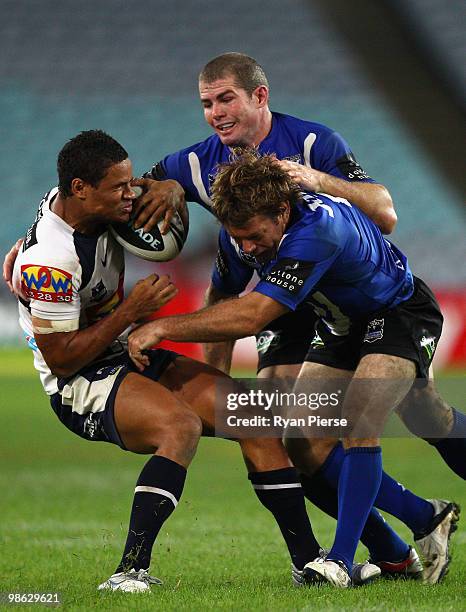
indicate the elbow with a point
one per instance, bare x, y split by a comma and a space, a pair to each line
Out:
388, 218
62, 370
388, 221
256, 325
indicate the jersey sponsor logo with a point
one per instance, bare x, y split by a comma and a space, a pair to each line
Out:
374, 330
46, 283
290, 274
350, 168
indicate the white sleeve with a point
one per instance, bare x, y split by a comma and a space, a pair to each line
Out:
50, 283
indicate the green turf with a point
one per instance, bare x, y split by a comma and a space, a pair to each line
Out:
65, 504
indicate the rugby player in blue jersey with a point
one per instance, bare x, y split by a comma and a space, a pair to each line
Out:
353, 278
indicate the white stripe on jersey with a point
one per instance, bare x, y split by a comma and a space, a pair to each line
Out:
287, 485
170, 496
195, 166
308, 142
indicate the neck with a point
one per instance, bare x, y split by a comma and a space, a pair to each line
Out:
69, 209
264, 128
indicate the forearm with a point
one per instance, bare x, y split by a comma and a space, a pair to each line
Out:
218, 323
218, 354
372, 198
71, 351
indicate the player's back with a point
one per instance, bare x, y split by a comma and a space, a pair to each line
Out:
360, 270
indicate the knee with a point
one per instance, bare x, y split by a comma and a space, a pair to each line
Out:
183, 428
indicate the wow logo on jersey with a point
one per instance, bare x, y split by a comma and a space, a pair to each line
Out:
46, 283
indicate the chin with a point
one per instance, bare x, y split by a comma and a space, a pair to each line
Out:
231, 141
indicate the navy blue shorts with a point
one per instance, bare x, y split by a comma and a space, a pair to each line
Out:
85, 401
286, 340
411, 330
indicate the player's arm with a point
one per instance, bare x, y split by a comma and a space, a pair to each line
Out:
9, 263
372, 198
66, 352
227, 320
218, 354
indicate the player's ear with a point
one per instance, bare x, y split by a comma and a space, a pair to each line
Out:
284, 208
79, 188
284, 211
261, 95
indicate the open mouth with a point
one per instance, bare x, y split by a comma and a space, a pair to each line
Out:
225, 127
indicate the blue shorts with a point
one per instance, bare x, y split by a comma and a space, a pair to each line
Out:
410, 330
85, 401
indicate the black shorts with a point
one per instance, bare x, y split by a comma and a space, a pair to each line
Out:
84, 402
410, 330
286, 340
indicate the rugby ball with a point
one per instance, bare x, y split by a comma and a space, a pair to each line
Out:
152, 245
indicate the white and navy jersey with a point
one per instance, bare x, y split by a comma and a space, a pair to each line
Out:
331, 256
305, 142
63, 275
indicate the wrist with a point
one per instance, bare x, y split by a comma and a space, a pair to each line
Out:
125, 314
326, 183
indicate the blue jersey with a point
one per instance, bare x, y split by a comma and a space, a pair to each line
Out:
331, 256
308, 143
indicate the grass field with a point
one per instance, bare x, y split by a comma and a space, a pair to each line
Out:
65, 505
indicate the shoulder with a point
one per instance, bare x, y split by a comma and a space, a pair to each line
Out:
315, 233
295, 123
202, 150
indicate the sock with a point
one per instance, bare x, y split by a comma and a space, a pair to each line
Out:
280, 492
359, 482
157, 493
383, 543
394, 498
453, 448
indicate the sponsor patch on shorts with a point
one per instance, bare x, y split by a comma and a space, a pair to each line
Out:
317, 342
374, 330
266, 340
46, 283
428, 344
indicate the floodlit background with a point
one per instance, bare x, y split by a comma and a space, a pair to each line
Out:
390, 78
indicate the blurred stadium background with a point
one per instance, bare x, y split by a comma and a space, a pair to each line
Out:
388, 75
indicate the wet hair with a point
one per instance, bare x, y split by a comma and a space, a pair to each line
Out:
247, 73
249, 185
87, 156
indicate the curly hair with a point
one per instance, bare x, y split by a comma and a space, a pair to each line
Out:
249, 185
87, 156
248, 74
